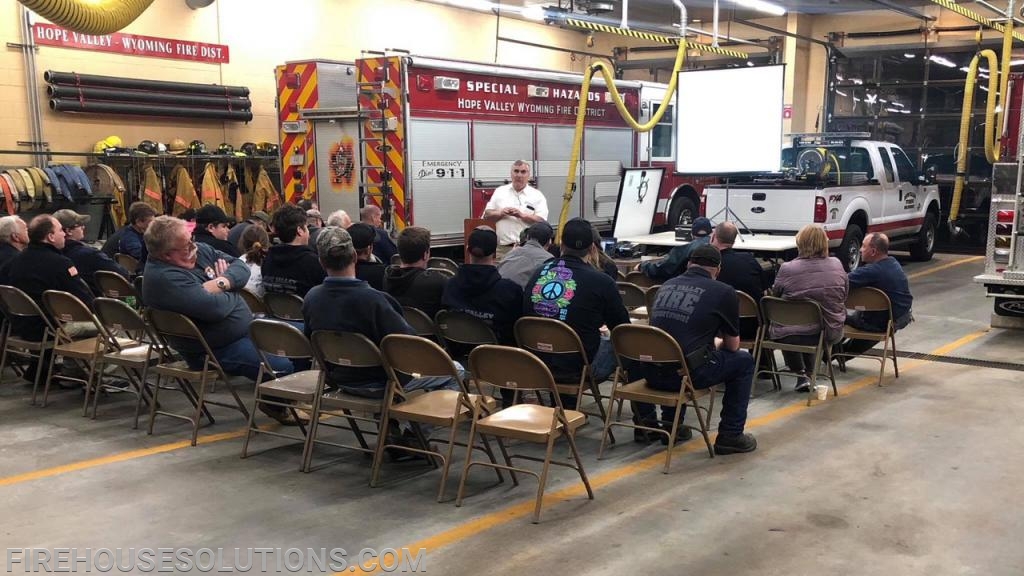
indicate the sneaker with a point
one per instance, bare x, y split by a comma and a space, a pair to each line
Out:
735, 444
803, 384
683, 434
646, 436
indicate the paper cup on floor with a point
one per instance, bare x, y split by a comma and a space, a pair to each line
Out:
821, 391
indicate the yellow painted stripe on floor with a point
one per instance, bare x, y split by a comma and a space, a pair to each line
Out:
525, 509
945, 266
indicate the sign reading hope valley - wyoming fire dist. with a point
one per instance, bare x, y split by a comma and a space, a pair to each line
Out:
131, 44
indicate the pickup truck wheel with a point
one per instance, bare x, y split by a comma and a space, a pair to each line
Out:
923, 248
681, 212
849, 250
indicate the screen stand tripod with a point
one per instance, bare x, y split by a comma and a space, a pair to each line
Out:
729, 214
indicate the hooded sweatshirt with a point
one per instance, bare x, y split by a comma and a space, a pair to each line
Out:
291, 269
479, 290
416, 287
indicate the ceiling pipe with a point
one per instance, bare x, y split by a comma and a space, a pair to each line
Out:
625, 14
682, 17
89, 16
714, 37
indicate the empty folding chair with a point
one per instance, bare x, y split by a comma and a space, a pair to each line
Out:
783, 312
443, 271
113, 285
282, 391
443, 263
634, 299
256, 304
640, 279
128, 262
420, 322
872, 300
515, 369
554, 338
343, 351
19, 307
172, 327
646, 344
650, 296
411, 357
131, 347
460, 332
283, 306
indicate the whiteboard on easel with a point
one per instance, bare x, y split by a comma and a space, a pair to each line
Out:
729, 120
638, 199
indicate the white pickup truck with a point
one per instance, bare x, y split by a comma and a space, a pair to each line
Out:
849, 185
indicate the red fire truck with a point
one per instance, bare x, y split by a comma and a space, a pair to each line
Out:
429, 140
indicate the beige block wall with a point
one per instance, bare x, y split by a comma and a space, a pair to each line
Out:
262, 34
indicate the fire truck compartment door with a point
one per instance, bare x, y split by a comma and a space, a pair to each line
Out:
495, 147
554, 147
337, 161
439, 175
606, 150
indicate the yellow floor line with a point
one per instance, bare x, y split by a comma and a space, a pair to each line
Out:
945, 266
525, 509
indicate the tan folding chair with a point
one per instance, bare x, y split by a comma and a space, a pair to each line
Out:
128, 262
130, 348
515, 369
647, 344
784, 312
18, 305
420, 322
113, 285
414, 357
344, 351
634, 299
554, 337
287, 391
443, 263
171, 327
867, 299
396, 260
619, 276
255, 303
650, 296
640, 279
283, 306
443, 271
460, 332
750, 311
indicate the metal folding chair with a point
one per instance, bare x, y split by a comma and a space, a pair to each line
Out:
443, 263
283, 306
128, 262
783, 312
255, 303
420, 322
131, 348
749, 310
18, 305
640, 279
868, 299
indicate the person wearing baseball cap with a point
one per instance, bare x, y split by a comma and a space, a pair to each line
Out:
675, 263
695, 308
87, 260
368, 268
569, 289
213, 227
480, 291
259, 218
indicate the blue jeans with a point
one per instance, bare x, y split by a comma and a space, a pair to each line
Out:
240, 358
733, 369
602, 366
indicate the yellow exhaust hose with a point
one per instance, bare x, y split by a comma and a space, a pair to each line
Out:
995, 101
89, 16
607, 72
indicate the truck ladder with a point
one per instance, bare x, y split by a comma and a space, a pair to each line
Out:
375, 122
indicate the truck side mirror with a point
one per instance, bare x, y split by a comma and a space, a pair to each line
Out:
929, 175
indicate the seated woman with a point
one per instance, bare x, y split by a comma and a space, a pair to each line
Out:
813, 275
254, 245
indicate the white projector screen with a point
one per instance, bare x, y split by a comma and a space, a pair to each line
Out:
729, 120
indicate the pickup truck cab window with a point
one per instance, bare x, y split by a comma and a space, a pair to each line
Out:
848, 160
905, 169
886, 165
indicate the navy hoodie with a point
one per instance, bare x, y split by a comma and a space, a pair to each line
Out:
291, 269
479, 290
416, 287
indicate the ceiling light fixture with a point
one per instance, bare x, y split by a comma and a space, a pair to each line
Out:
942, 61
535, 12
762, 6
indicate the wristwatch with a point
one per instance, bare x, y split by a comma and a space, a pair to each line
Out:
222, 284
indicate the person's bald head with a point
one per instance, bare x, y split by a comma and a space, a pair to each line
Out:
725, 235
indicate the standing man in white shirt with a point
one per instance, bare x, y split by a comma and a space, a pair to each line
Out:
513, 207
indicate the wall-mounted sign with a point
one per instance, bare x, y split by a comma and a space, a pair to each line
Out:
131, 44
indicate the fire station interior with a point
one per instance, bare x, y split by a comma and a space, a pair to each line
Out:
915, 473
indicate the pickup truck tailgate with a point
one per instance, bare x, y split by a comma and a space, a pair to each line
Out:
763, 208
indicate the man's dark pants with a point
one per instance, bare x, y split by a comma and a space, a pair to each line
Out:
733, 369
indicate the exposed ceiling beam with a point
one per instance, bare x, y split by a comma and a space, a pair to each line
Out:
904, 10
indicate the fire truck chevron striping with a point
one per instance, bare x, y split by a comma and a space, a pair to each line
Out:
382, 96
297, 90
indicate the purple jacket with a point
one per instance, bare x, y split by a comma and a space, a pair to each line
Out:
820, 279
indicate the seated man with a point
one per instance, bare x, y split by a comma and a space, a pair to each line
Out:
368, 268
213, 228
202, 283
695, 309
383, 247
132, 243
520, 264
291, 267
343, 303
675, 263
411, 283
13, 239
573, 291
878, 270
87, 260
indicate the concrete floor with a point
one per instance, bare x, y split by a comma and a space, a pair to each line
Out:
918, 477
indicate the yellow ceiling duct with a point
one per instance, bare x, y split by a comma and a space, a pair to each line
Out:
89, 16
